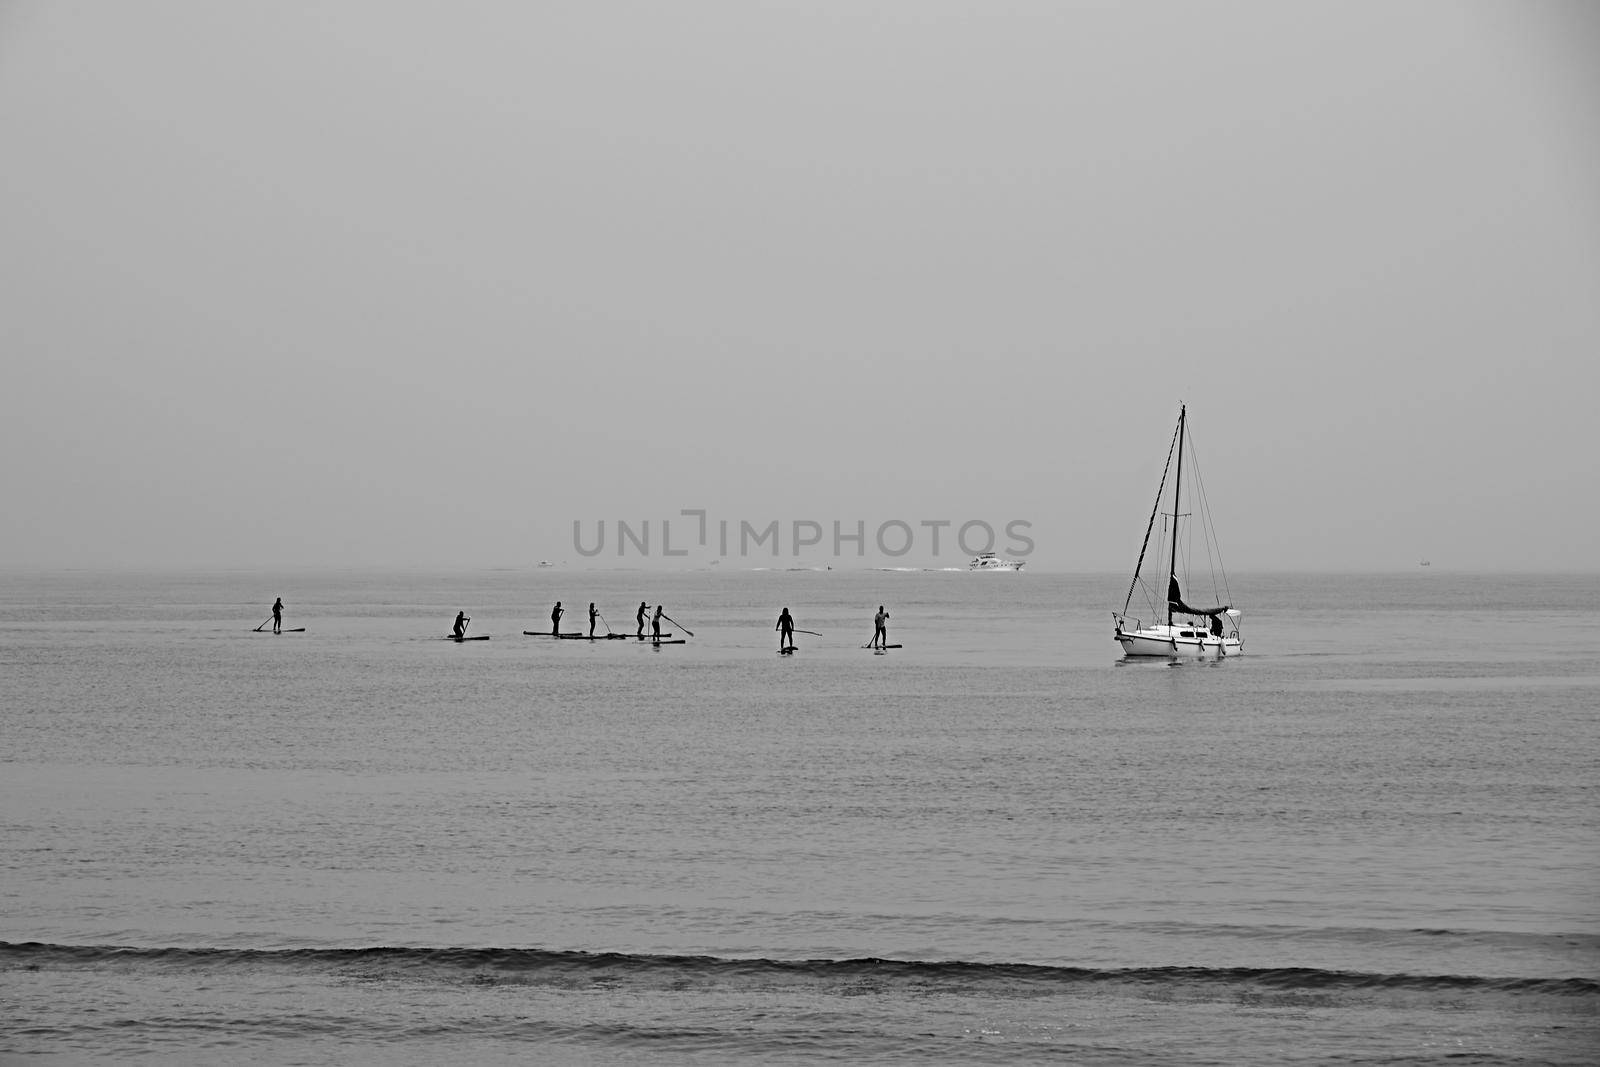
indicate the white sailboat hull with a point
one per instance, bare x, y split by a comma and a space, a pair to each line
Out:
1170, 642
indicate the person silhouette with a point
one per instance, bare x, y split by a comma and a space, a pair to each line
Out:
785, 630
593, 614
655, 625
555, 619
460, 629
277, 615
643, 607
880, 628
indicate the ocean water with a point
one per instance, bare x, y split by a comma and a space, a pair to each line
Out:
1373, 838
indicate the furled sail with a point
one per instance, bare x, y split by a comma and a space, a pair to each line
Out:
1175, 601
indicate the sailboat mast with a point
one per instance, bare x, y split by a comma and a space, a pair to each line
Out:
1177, 488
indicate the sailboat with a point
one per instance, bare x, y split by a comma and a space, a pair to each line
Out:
1179, 629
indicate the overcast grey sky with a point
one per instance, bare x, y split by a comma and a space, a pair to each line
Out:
390, 283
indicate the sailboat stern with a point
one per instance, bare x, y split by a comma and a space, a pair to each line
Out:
1221, 638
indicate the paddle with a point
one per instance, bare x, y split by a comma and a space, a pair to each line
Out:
258, 628
813, 633
603, 622
678, 624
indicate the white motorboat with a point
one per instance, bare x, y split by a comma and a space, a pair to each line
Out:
1179, 630
988, 561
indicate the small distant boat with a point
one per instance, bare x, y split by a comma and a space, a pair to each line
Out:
1208, 633
988, 561
1423, 563
546, 563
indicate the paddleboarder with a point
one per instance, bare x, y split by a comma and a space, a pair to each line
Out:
277, 615
555, 619
785, 630
460, 629
880, 628
643, 607
655, 624
593, 615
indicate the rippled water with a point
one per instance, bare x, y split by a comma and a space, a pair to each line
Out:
1372, 838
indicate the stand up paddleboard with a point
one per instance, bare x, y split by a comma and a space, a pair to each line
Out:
286, 630
547, 633
458, 640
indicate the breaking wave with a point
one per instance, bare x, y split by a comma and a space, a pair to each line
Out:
864, 975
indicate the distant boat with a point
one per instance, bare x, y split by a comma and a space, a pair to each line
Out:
546, 563
988, 561
1209, 633
1423, 563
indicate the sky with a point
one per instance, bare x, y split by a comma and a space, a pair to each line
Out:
293, 284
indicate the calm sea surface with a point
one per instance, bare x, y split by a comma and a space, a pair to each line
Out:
1374, 838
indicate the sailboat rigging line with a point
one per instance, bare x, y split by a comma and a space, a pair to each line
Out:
1213, 546
1152, 523
1197, 492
